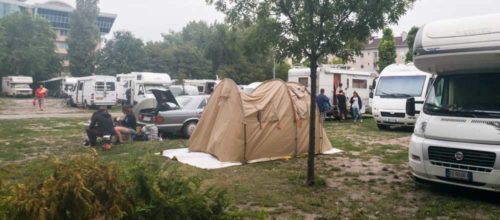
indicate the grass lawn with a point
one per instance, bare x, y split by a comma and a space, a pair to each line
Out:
369, 180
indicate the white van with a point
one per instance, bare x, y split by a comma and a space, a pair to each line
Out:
334, 79
17, 86
204, 86
140, 85
95, 90
457, 136
396, 83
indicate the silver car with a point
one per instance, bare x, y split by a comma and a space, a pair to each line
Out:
174, 115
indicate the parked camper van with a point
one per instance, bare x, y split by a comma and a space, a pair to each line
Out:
457, 136
140, 85
204, 86
250, 87
17, 86
334, 79
60, 86
396, 83
94, 91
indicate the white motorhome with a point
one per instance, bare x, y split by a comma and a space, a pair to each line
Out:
205, 86
17, 86
250, 87
457, 136
140, 85
60, 86
396, 83
94, 90
334, 79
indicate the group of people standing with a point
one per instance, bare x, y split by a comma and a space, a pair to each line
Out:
325, 106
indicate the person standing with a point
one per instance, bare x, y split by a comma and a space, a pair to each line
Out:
323, 104
101, 124
127, 125
356, 105
342, 103
40, 94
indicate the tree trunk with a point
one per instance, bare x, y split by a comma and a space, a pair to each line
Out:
312, 124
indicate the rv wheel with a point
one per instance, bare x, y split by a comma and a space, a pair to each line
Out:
188, 128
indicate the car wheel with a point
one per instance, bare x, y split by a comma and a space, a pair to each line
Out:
382, 127
188, 128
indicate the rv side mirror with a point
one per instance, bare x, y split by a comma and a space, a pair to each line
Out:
410, 106
371, 95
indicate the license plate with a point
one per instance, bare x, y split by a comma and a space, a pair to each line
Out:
98, 98
391, 120
146, 118
459, 175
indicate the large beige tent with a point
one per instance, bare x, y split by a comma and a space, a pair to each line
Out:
271, 122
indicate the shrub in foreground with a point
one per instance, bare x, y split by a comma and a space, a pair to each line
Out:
80, 187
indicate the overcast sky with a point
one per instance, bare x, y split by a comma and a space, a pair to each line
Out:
148, 19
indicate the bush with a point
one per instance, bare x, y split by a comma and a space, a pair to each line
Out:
77, 188
80, 187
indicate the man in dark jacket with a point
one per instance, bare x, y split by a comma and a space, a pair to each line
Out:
342, 104
324, 105
101, 124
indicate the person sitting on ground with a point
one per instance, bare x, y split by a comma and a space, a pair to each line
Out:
101, 124
127, 125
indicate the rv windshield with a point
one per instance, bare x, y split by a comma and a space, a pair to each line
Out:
21, 86
400, 86
466, 95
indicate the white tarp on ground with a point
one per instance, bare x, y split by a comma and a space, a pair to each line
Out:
209, 162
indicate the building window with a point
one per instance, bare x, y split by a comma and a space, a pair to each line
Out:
304, 81
362, 66
359, 84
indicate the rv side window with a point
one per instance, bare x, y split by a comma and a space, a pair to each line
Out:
110, 86
80, 86
99, 86
359, 84
304, 81
200, 89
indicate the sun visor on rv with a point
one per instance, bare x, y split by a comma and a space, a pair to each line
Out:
459, 45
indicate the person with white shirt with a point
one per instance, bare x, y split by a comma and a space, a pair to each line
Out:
356, 104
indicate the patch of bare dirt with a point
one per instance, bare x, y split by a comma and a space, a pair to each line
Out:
403, 141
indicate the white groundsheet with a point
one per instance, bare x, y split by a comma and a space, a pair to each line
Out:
209, 162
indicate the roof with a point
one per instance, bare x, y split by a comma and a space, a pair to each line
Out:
62, 6
402, 70
373, 44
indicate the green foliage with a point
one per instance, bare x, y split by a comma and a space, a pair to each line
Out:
122, 54
410, 39
386, 50
81, 187
159, 192
187, 61
27, 47
83, 37
77, 188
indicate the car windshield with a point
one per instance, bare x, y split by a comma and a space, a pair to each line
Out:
400, 86
465, 95
20, 86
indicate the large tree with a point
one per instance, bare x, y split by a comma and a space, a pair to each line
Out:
386, 50
122, 54
316, 28
410, 39
27, 47
83, 38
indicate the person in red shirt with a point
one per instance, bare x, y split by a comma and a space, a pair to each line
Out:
40, 94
